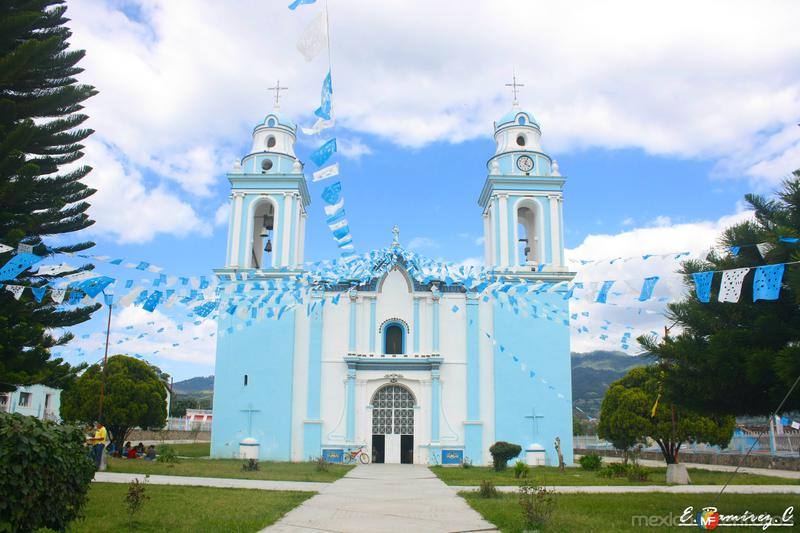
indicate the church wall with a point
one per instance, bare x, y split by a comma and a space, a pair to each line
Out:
453, 348
487, 398
299, 405
335, 340
265, 353
543, 346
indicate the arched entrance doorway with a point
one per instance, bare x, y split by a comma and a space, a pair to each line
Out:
393, 425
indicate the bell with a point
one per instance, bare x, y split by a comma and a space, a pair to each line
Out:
268, 247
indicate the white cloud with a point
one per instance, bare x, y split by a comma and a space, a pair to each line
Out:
419, 243
624, 310
627, 221
222, 214
182, 85
352, 148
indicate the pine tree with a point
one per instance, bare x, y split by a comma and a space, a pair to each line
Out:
41, 193
740, 358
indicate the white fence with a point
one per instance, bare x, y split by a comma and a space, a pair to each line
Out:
787, 444
184, 424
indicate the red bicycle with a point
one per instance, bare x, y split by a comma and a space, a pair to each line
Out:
358, 455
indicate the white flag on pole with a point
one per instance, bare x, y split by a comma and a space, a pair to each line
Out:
314, 38
58, 295
319, 125
325, 173
16, 290
331, 210
764, 248
731, 286
52, 270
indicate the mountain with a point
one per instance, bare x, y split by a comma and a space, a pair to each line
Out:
593, 372
193, 386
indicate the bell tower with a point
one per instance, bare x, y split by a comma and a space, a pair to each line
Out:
269, 198
522, 199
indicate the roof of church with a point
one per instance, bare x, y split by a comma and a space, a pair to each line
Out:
282, 120
511, 116
365, 268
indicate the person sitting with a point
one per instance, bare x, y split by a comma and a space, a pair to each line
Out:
140, 449
132, 454
151, 453
126, 449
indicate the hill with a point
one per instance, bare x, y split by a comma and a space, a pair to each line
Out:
593, 372
193, 386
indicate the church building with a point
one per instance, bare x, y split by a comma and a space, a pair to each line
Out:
415, 370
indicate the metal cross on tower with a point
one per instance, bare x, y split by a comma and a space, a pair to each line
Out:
514, 86
278, 90
250, 412
533, 416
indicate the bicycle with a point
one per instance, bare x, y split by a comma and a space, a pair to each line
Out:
357, 455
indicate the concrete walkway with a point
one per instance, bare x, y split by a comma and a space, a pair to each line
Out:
673, 489
386, 498
114, 477
790, 474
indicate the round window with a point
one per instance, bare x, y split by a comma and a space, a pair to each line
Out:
270, 142
521, 140
266, 165
271, 122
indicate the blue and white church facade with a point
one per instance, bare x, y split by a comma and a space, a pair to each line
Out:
410, 367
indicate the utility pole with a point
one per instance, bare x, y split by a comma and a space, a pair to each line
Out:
105, 366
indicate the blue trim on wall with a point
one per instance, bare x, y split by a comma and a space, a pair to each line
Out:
416, 325
473, 362
372, 326
312, 438
385, 326
353, 317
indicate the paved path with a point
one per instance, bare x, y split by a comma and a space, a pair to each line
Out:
674, 489
386, 498
114, 477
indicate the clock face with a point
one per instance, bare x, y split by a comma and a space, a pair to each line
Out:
525, 163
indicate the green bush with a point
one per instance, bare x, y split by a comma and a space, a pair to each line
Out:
614, 470
466, 463
320, 464
487, 489
521, 470
502, 452
537, 504
166, 454
637, 473
591, 461
45, 471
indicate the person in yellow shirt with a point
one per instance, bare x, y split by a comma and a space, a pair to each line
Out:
98, 442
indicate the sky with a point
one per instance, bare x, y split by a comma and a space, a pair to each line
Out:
662, 115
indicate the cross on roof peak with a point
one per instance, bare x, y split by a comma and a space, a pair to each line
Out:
514, 85
277, 90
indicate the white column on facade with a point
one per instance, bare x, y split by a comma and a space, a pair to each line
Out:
502, 215
486, 239
288, 198
230, 228
555, 225
295, 259
514, 235
236, 220
301, 241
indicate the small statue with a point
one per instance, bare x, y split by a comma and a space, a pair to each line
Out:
395, 237
560, 455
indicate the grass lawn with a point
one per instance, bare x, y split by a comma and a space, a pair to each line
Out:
599, 513
230, 468
549, 475
172, 508
192, 449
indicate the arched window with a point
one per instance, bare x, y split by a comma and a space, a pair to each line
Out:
271, 141
521, 121
271, 123
263, 235
393, 339
521, 140
528, 234
393, 411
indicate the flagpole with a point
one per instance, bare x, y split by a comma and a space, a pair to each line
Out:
330, 62
105, 366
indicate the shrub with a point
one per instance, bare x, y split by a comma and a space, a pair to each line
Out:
320, 464
487, 489
613, 470
591, 461
637, 473
537, 504
250, 465
45, 472
135, 498
502, 452
166, 454
521, 470
466, 463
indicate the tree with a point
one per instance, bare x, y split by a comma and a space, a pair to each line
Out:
625, 417
502, 452
40, 119
45, 473
135, 396
740, 358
